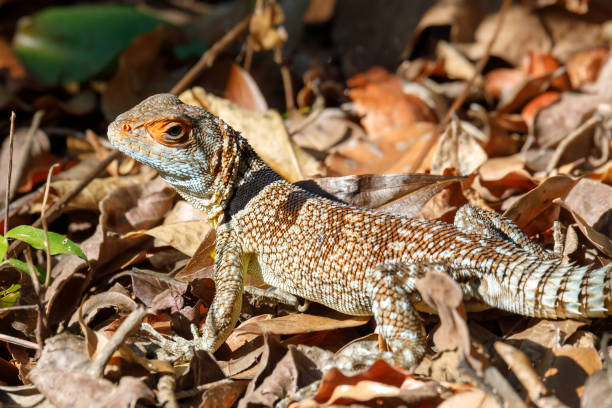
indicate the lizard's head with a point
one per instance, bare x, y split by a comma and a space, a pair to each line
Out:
184, 143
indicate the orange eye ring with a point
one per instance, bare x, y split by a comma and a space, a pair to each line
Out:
170, 132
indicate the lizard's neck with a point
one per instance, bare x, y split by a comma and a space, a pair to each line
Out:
232, 164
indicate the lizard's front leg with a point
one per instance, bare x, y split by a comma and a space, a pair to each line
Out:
225, 308
229, 285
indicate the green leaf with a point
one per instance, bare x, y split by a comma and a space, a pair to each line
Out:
77, 43
9, 297
3, 247
58, 244
23, 267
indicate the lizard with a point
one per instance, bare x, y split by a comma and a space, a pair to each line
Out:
355, 260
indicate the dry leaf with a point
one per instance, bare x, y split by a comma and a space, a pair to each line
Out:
301, 323
183, 236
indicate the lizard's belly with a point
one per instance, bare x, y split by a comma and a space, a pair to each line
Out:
331, 287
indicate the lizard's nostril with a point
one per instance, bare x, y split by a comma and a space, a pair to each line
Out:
126, 127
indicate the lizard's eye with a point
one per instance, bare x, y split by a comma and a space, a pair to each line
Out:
170, 132
175, 131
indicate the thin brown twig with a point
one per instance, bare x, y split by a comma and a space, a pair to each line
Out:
462, 97
207, 59
18, 307
41, 320
133, 320
7, 198
201, 388
44, 223
27, 147
19, 342
56, 209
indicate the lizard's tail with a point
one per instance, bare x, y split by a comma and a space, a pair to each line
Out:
549, 290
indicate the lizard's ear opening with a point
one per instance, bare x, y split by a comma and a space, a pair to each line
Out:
170, 132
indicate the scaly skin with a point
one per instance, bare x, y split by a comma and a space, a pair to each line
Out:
355, 260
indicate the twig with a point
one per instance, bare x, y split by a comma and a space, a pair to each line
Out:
19, 342
462, 97
41, 320
7, 198
202, 388
207, 59
25, 154
288, 87
44, 223
18, 307
56, 209
97, 367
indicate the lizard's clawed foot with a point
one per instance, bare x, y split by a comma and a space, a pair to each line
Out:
176, 348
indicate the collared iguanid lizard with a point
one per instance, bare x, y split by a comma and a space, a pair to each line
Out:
357, 261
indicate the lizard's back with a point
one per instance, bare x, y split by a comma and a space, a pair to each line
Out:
323, 250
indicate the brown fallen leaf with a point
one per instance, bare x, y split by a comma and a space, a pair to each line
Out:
599, 240
62, 377
391, 152
242, 89
567, 373
584, 66
444, 295
301, 323
548, 333
183, 236
383, 105
531, 204
376, 384
459, 148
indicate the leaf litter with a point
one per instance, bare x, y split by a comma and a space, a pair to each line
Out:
530, 140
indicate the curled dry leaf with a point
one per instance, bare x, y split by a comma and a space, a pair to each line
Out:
379, 381
583, 67
444, 295
328, 128
541, 101
501, 81
380, 100
533, 203
116, 298
598, 387
501, 177
242, 89
459, 148
125, 209
590, 200
599, 240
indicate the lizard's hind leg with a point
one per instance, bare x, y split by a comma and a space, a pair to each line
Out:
396, 318
474, 220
